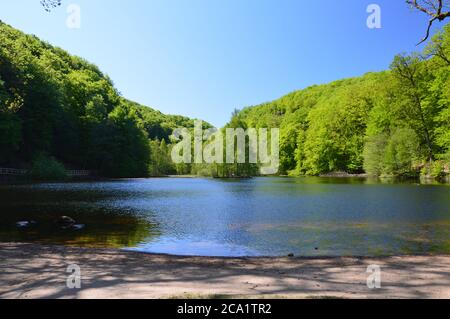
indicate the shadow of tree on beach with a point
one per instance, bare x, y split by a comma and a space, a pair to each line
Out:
35, 271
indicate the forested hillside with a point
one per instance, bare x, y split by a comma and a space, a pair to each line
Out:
55, 107
59, 110
393, 123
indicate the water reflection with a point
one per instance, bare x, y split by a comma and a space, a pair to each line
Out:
263, 216
44, 204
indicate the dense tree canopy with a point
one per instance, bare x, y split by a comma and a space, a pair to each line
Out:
60, 105
390, 123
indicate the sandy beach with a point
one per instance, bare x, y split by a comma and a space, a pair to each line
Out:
40, 271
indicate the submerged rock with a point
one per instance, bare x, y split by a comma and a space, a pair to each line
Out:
78, 226
25, 223
65, 222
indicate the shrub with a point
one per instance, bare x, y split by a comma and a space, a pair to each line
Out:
373, 154
401, 152
437, 169
47, 168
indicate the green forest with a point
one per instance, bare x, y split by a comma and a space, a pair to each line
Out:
392, 123
58, 111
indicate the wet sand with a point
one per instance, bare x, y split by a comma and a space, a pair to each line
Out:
40, 271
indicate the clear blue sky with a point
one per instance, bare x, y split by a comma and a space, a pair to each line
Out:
203, 58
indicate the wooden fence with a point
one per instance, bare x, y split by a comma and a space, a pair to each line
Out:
79, 173
12, 171
21, 172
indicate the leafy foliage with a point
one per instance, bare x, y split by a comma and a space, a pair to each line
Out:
61, 105
47, 168
395, 122
387, 123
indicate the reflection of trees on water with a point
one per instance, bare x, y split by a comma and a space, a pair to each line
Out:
113, 232
107, 227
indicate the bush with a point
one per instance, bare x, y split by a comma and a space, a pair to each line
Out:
401, 152
437, 169
47, 168
392, 154
373, 154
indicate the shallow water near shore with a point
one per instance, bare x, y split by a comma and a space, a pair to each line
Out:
251, 217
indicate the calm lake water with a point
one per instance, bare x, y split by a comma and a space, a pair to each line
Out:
261, 216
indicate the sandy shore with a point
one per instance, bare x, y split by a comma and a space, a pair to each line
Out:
38, 271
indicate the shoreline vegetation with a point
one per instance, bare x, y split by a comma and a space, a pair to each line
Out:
59, 112
10, 180
28, 178
110, 273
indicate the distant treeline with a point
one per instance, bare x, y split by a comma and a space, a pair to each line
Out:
57, 108
393, 123
57, 111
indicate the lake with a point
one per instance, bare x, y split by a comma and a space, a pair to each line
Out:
250, 217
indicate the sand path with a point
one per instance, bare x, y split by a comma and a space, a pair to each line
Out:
39, 271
